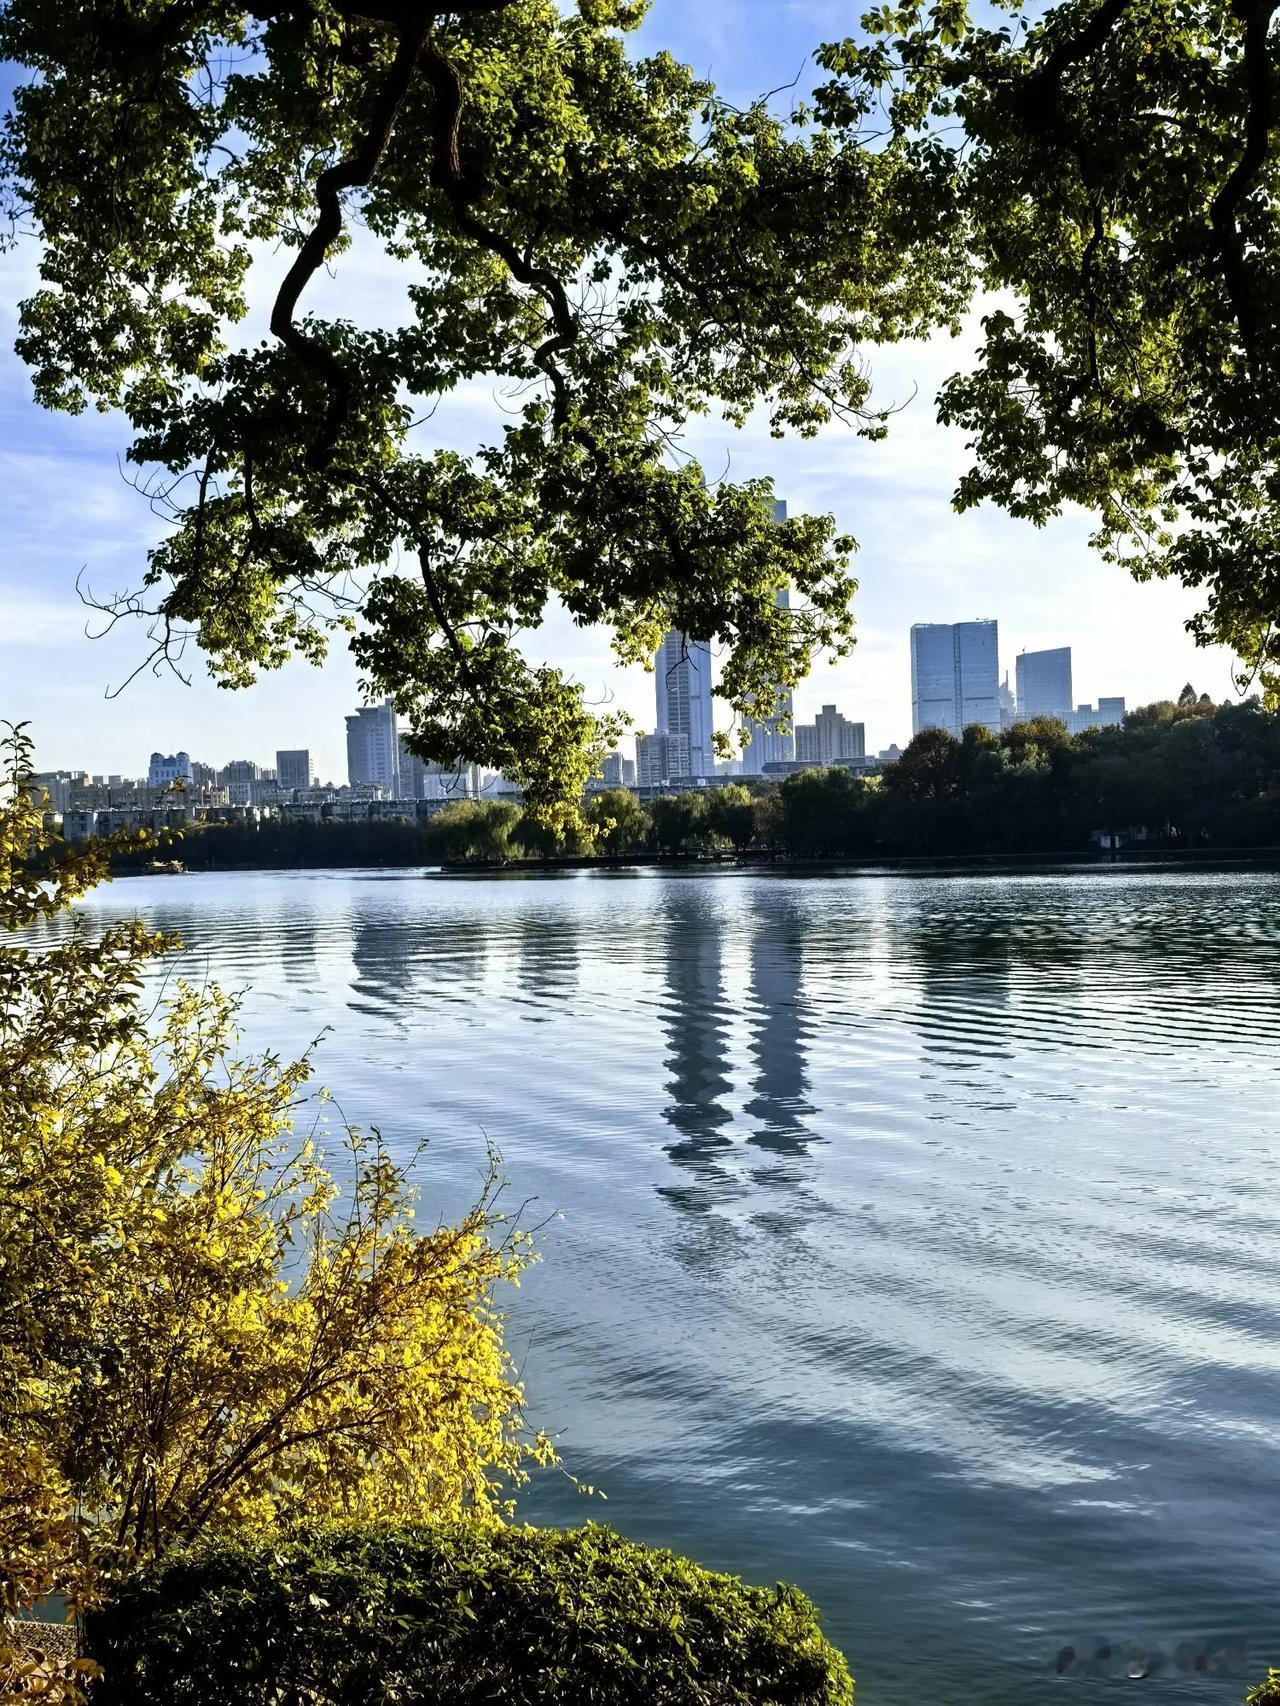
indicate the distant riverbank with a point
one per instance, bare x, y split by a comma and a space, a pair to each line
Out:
686, 863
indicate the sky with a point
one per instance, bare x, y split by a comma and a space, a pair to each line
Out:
70, 516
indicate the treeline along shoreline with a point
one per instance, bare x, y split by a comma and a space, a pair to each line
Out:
1179, 778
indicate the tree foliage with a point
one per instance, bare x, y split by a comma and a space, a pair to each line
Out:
1113, 178
603, 236
199, 1330
599, 234
617, 821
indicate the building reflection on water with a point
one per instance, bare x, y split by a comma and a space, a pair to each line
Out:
777, 1018
695, 1022
730, 977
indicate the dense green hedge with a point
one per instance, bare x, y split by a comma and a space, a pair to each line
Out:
457, 1614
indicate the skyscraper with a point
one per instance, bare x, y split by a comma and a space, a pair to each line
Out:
954, 676
293, 769
373, 748
682, 672
768, 742
1044, 684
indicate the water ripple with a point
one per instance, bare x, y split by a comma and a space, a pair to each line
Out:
918, 1241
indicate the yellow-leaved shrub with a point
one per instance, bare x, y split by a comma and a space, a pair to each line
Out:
200, 1329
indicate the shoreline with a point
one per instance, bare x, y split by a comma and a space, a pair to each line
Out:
762, 863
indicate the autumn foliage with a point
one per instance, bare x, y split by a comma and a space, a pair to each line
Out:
200, 1329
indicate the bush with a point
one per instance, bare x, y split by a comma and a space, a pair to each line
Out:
459, 1613
200, 1331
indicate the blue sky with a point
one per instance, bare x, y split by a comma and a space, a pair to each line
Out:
69, 512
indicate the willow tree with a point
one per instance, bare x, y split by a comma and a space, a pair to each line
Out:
597, 234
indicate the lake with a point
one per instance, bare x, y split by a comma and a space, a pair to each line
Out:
919, 1234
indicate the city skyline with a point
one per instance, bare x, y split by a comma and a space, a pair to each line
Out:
375, 751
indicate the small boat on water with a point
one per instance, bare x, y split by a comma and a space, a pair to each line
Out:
164, 868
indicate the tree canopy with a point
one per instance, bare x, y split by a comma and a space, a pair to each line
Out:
603, 236
1115, 183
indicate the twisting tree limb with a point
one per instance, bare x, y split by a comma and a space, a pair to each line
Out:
1258, 120
1045, 82
447, 173
353, 172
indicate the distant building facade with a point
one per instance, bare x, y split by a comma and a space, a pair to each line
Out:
1008, 704
293, 768
1044, 684
373, 748
618, 772
660, 758
831, 739
682, 671
955, 676
421, 779
1106, 714
771, 740
163, 772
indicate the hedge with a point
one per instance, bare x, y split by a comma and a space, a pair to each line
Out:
456, 1613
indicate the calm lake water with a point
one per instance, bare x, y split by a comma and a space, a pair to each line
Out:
920, 1234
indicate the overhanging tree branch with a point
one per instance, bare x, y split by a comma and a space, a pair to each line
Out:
1226, 205
447, 173
353, 172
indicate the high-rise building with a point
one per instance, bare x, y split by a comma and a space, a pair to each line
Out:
411, 774
769, 742
421, 779
1044, 684
617, 771
682, 671
293, 768
164, 771
831, 739
660, 758
242, 779
954, 676
373, 748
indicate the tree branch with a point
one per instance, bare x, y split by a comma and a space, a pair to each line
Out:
448, 175
1226, 204
353, 172
1047, 78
